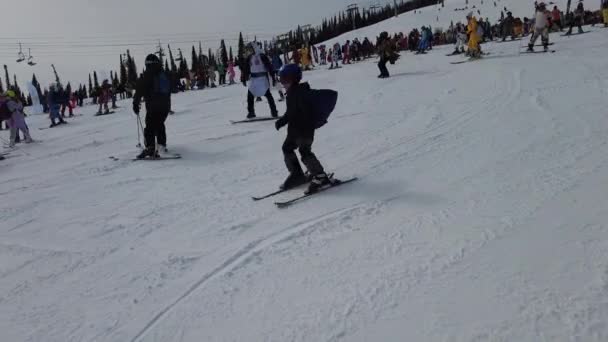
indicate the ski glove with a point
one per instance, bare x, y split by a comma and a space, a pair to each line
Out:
278, 124
136, 108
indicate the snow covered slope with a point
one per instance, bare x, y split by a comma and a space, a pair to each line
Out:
480, 213
438, 17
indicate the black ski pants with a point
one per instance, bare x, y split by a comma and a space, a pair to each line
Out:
382, 67
251, 102
155, 129
304, 146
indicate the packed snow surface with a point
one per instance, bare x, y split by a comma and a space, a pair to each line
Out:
480, 214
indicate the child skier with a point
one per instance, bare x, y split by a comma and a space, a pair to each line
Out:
300, 132
17, 119
541, 27
474, 38
231, 72
154, 86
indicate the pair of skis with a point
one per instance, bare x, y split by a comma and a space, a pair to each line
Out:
285, 204
254, 120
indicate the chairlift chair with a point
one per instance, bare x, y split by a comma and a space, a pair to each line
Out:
30, 60
20, 55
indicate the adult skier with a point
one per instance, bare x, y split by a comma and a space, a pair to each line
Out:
54, 102
300, 132
461, 40
541, 27
155, 87
577, 18
105, 94
507, 27
556, 18
258, 71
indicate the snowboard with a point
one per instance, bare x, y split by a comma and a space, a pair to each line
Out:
108, 113
254, 120
539, 51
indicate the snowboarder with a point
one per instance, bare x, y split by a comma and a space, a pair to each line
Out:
577, 18
541, 27
258, 71
387, 54
17, 118
300, 133
474, 38
155, 87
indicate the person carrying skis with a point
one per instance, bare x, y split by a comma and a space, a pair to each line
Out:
541, 27
258, 71
54, 102
17, 118
577, 19
474, 38
300, 132
155, 88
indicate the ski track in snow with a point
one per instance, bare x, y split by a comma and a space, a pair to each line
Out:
479, 214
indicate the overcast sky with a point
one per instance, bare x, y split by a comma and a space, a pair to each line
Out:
62, 31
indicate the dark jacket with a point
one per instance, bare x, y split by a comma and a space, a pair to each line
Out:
246, 67
148, 88
299, 112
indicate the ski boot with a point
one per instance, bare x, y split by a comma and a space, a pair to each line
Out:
251, 115
318, 182
148, 153
107, 112
294, 180
530, 48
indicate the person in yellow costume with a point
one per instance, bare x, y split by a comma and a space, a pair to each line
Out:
605, 12
474, 39
305, 58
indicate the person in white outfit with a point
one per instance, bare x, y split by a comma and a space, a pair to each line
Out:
541, 27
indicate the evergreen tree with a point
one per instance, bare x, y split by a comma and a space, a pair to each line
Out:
167, 65
173, 66
195, 60
16, 86
123, 73
241, 50
230, 56
1, 87
37, 86
95, 82
68, 88
115, 81
8, 80
131, 70
90, 86
223, 53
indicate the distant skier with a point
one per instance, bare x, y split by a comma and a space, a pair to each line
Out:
556, 18
577, 18
541, 27
277, 63
155, 87
105, 94
387, 54
258, 71
461, 40
17, 118
231, 72
54, 103
300, 132
507, 27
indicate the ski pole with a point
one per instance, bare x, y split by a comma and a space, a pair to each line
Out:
138, 134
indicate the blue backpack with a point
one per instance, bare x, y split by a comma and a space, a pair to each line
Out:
162, 84
323, 103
